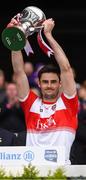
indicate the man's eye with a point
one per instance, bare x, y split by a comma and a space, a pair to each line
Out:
54, 81
45, 82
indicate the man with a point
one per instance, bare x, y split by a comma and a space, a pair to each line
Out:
52, 119
12, 118
2, 86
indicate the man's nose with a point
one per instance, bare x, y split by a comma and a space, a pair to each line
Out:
49, 84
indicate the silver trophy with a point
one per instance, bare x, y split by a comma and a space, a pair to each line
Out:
30, 21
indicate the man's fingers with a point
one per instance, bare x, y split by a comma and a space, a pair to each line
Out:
14, 21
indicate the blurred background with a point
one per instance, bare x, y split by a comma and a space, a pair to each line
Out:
70, 31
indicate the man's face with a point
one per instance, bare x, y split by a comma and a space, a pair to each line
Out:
49, 85
11, 91
2, 81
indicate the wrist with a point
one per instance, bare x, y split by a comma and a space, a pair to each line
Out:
48, 35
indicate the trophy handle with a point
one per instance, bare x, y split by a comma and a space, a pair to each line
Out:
39, 28
35, 29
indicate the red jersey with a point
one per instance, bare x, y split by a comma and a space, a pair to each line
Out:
51, 123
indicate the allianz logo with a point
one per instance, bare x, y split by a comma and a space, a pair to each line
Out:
27, 156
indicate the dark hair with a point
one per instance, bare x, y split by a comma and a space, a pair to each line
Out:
49, 69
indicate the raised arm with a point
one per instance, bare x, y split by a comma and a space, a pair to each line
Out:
20, 76
67, 78
18, 68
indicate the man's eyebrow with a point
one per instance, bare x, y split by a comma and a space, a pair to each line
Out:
45, 80
53, 80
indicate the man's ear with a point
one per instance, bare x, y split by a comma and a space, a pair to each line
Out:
60, 84
60, 88
38, 83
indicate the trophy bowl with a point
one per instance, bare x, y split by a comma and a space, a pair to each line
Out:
30, 21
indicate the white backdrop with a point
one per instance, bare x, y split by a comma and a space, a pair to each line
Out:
13, 159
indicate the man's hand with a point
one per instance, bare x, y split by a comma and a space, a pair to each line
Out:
14, 21
48, 26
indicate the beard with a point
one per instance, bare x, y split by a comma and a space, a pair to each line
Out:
50, 96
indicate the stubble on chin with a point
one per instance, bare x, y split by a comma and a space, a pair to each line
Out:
50, 96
